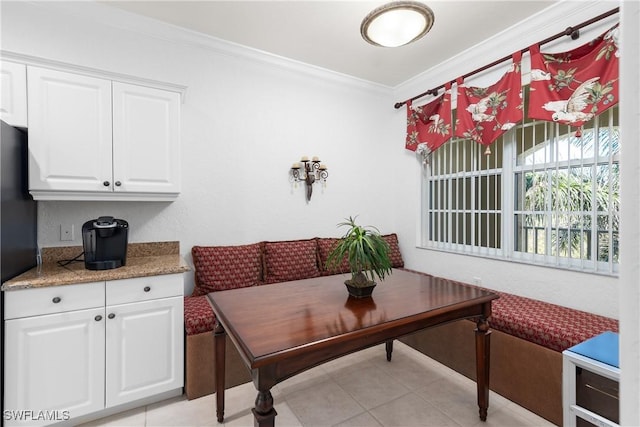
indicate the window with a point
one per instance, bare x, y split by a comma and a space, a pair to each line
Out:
464, 189
542, 196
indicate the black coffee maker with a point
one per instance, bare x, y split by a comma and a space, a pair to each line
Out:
105, 243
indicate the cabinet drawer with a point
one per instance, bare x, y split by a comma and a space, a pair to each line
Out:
597, 394
144, 288
53, 299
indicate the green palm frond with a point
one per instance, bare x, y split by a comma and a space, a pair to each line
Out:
570, 195
365, 249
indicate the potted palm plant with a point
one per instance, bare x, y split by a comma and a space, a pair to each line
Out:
367, 254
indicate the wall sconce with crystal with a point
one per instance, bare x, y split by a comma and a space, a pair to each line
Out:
309, 172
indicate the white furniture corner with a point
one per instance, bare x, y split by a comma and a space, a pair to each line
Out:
570, 361
13, 93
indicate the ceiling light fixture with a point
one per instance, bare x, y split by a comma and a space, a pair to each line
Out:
397, 23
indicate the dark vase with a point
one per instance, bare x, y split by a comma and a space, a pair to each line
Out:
360, 292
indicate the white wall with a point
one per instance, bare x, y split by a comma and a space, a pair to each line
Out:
630, 218
246, 119
589, 292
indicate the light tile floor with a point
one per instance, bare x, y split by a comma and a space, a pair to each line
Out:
359, 390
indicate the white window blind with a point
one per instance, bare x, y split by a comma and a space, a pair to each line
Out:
543, 196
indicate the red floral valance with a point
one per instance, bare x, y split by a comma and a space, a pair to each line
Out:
573, 87
429, 126
483, 114
570, 88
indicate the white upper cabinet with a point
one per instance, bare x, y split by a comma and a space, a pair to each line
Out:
146, 126
70, 132
13, 93
94, 139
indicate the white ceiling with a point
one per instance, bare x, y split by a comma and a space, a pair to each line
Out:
327, 33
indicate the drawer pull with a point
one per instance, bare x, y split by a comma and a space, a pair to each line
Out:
98, 318
56, 300
147, 288
111, 316
106, 183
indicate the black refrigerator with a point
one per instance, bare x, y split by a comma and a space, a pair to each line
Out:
18, 219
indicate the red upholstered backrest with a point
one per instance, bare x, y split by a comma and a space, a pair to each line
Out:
226, 267
394, 250
229, 267
290, 260
325, 246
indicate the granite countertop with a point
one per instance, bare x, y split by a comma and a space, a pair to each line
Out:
143, 259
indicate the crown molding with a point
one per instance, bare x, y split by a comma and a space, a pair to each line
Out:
93, 72
144, 26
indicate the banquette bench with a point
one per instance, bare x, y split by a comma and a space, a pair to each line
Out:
527, 340
526, 344
229, 267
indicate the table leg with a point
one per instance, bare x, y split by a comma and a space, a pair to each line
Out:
389, 347
219, 342
483, 335
263, 414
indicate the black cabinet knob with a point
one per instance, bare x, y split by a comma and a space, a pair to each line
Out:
98, 318
111, 316
118, 183
56, 300
106, 183
147, 288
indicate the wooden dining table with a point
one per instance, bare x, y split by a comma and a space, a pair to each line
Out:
286, 328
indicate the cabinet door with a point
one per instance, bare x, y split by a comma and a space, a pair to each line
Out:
70, 134
13, 93
144, 349
146, 139
54, 364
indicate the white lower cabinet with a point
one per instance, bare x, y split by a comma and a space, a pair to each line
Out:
54, 367
61, 365
144, 349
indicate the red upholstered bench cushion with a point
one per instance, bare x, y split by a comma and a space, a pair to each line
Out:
198, 315
549, 325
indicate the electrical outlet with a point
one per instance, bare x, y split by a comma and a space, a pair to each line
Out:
66, 232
